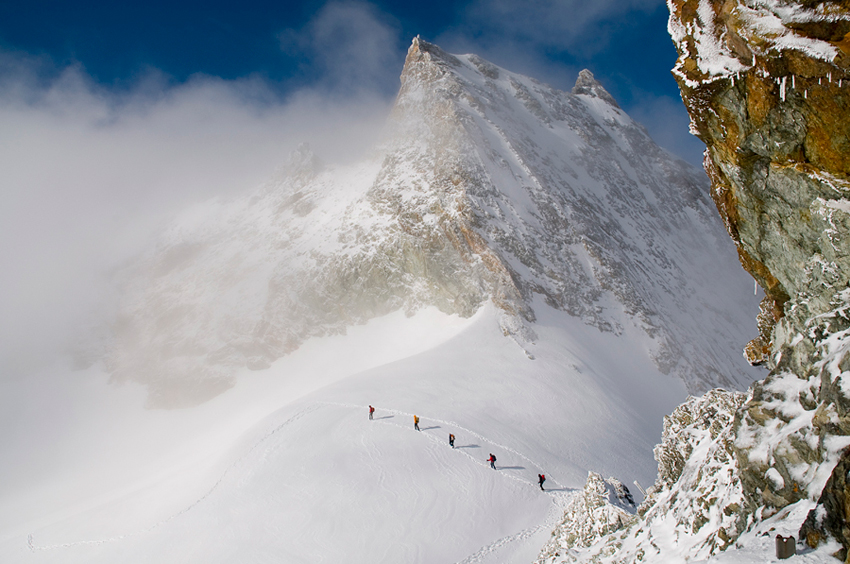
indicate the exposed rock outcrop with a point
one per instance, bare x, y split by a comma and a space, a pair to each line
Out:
601, 508
694, 507
767, 86
831, 516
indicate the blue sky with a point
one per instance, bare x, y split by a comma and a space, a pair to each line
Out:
338, 46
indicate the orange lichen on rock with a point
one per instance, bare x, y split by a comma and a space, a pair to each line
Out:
773, 115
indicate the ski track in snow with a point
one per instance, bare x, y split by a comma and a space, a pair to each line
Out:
559, 498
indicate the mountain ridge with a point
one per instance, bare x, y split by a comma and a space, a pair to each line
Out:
490, 186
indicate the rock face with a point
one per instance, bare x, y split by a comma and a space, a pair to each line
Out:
767, 88
767, 85
601, 508
831, 516
694, 508
490, 186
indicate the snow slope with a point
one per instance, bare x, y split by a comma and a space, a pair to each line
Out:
290, 469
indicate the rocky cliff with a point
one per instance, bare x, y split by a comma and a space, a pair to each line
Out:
693, 510
600, 508
767, 86
490, 186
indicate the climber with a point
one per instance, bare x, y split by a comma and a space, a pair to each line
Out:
452, 440
540, 479
416, 422
492, 461
371, 412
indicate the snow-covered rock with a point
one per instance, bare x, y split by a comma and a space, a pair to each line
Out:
599, 509
694, 508
765, 83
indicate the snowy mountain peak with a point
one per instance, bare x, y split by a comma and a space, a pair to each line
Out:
301, 166
491, 187
587, 85
421, 50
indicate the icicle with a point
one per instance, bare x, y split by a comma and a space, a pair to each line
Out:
755, 287
806, 94
782, 89
793, 82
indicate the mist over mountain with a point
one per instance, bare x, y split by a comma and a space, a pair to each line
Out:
489, 187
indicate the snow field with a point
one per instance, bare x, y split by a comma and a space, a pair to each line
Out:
287, 500
287, 467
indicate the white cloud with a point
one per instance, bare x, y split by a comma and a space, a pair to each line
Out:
352, 46
577, 25
89, 174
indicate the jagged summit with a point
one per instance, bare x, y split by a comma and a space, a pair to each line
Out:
422, 50
491, 186
587, 85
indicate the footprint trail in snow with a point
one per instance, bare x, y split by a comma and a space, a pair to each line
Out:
387, 462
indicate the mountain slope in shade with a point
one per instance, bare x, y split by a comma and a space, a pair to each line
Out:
490, 187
